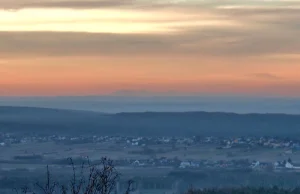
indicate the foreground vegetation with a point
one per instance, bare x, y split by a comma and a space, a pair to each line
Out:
103, 178
99, 178
246, 190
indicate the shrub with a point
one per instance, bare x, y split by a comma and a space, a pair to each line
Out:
100, 179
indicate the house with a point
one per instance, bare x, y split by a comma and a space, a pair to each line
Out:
289, 165
185, 164
135, 143
137, 163
194, 164
286, 165
255, 164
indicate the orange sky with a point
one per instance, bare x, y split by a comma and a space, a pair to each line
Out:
102, 75
50, 49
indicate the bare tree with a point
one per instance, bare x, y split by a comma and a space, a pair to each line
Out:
49, 187
23, 190
129, 187
92, 179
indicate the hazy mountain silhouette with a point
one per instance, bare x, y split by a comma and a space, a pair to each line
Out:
141, 103
42, 120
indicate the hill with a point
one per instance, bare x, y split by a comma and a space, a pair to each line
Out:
49, 121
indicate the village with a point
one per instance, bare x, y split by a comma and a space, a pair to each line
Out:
143, 144
220, 142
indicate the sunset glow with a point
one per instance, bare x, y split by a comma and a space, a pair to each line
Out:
212, 47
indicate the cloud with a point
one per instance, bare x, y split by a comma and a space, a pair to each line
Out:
111, 21
197, 32
284, 56
212, 28
209, 42
96, 4
81, 4
58, 44
232, 5
75, 4
267, 76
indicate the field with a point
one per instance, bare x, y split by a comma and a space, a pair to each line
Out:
19, 170
53, 151
32, 129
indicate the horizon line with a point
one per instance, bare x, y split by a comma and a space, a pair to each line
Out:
155, 112
154, 96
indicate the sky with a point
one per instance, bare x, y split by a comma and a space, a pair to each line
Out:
182, 47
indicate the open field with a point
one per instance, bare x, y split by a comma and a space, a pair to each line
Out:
14, 170
53, 151
32, 138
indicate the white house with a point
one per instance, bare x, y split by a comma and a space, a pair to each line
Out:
289, 165
188, 164
255, 164
138, 163
184, 164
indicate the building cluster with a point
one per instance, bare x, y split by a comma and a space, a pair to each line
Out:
186, 164
241, 164
289, 146
219, 142
267, 142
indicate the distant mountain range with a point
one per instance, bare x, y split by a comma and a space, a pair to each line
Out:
49, 121
141, 103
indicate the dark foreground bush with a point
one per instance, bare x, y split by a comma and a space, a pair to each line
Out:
245, 190
103, 178
91, 179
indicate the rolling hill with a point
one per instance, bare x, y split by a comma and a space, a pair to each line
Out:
49, 121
